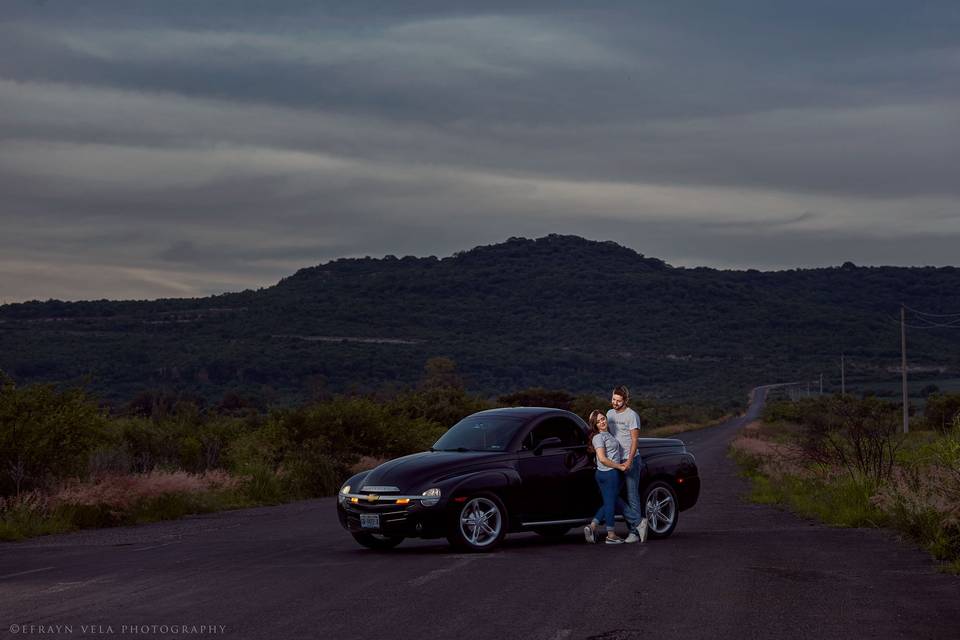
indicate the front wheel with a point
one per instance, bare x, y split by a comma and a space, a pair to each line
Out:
377, 541
662, 513
479, 524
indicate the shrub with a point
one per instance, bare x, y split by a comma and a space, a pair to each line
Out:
858, 435
941, 411
45, 434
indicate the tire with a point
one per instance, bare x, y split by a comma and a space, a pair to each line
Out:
661, 508
478, 524
552, 532
377, 541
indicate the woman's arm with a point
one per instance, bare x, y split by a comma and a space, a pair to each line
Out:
602, 457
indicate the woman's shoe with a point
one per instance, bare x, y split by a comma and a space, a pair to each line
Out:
589, 534
609, 540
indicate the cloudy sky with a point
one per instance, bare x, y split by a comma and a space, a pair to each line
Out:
182, 148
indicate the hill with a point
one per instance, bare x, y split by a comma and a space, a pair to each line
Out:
558, 311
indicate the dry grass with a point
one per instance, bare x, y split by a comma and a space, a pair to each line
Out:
115, 499
681, 427
923, 489
123, 491
921, 498
367, 462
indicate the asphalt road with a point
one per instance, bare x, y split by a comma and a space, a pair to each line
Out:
731, 569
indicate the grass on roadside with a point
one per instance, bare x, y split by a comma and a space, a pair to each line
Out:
682, 427
919, 500
130, 499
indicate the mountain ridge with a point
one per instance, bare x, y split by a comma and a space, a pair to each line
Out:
558, 311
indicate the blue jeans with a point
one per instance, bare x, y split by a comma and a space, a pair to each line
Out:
609, 483
632, 479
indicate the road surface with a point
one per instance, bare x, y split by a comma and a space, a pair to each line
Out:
731, 570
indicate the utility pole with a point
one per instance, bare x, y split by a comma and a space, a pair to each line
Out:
843, 376
903, 367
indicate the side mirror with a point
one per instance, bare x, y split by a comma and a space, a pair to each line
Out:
547, 443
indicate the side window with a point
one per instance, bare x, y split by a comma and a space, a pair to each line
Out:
567, 430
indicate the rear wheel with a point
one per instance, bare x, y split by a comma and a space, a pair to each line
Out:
660, 501
377, 540
478, 524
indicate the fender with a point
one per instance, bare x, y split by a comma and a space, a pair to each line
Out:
495, 480
355, 480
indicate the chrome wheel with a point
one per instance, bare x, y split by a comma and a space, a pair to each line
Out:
481, 522
661, 509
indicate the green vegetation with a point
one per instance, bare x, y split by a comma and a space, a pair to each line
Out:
523, 313
843, 461
66, 463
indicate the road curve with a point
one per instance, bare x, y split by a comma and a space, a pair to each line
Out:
732, 569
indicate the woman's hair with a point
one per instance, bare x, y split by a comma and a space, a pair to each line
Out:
592, 423
623, 392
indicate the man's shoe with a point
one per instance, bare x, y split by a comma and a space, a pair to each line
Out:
613, 541
633, 537
589, 535
643, 529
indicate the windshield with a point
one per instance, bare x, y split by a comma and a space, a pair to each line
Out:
480, 433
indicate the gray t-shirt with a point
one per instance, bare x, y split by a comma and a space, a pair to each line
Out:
605, 442
620, 424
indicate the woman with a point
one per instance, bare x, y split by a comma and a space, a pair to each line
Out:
609, 467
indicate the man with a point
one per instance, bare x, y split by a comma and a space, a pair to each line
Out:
624, 424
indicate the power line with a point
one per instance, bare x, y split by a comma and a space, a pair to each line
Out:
933, 315
949, 325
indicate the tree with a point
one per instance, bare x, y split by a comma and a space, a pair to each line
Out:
45, 433
441, 373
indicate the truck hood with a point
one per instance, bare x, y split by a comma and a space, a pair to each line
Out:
414, 472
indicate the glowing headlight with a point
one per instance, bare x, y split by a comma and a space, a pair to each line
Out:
430, 497
343, 492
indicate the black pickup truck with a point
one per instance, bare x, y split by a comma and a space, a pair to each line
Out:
506, 470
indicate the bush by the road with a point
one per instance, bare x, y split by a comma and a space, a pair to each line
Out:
842, 461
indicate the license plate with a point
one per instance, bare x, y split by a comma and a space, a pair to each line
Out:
370, 521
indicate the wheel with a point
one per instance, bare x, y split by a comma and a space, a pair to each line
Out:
660, 501
377, 541
479, 524
553, 532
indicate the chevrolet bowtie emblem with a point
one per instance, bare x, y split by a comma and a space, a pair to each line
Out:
372, 498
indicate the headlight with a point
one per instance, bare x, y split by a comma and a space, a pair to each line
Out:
430, 497
343, 493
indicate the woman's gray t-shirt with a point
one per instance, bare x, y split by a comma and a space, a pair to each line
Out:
609, 445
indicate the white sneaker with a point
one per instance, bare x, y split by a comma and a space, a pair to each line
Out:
643, 529
589, 534
613, 541
633, 537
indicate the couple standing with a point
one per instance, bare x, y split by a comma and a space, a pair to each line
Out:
614, 438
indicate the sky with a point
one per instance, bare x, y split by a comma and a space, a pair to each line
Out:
183, 148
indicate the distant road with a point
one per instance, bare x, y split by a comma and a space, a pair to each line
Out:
731, 570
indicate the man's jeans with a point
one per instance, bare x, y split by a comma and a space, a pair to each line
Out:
632, 479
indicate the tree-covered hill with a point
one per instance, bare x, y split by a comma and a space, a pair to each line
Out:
558, 312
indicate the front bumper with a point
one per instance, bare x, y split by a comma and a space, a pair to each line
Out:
410, 521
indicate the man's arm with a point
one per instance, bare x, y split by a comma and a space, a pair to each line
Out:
634, 435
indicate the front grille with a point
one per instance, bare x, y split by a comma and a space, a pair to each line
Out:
375, 489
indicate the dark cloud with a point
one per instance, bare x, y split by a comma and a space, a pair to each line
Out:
190, 145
